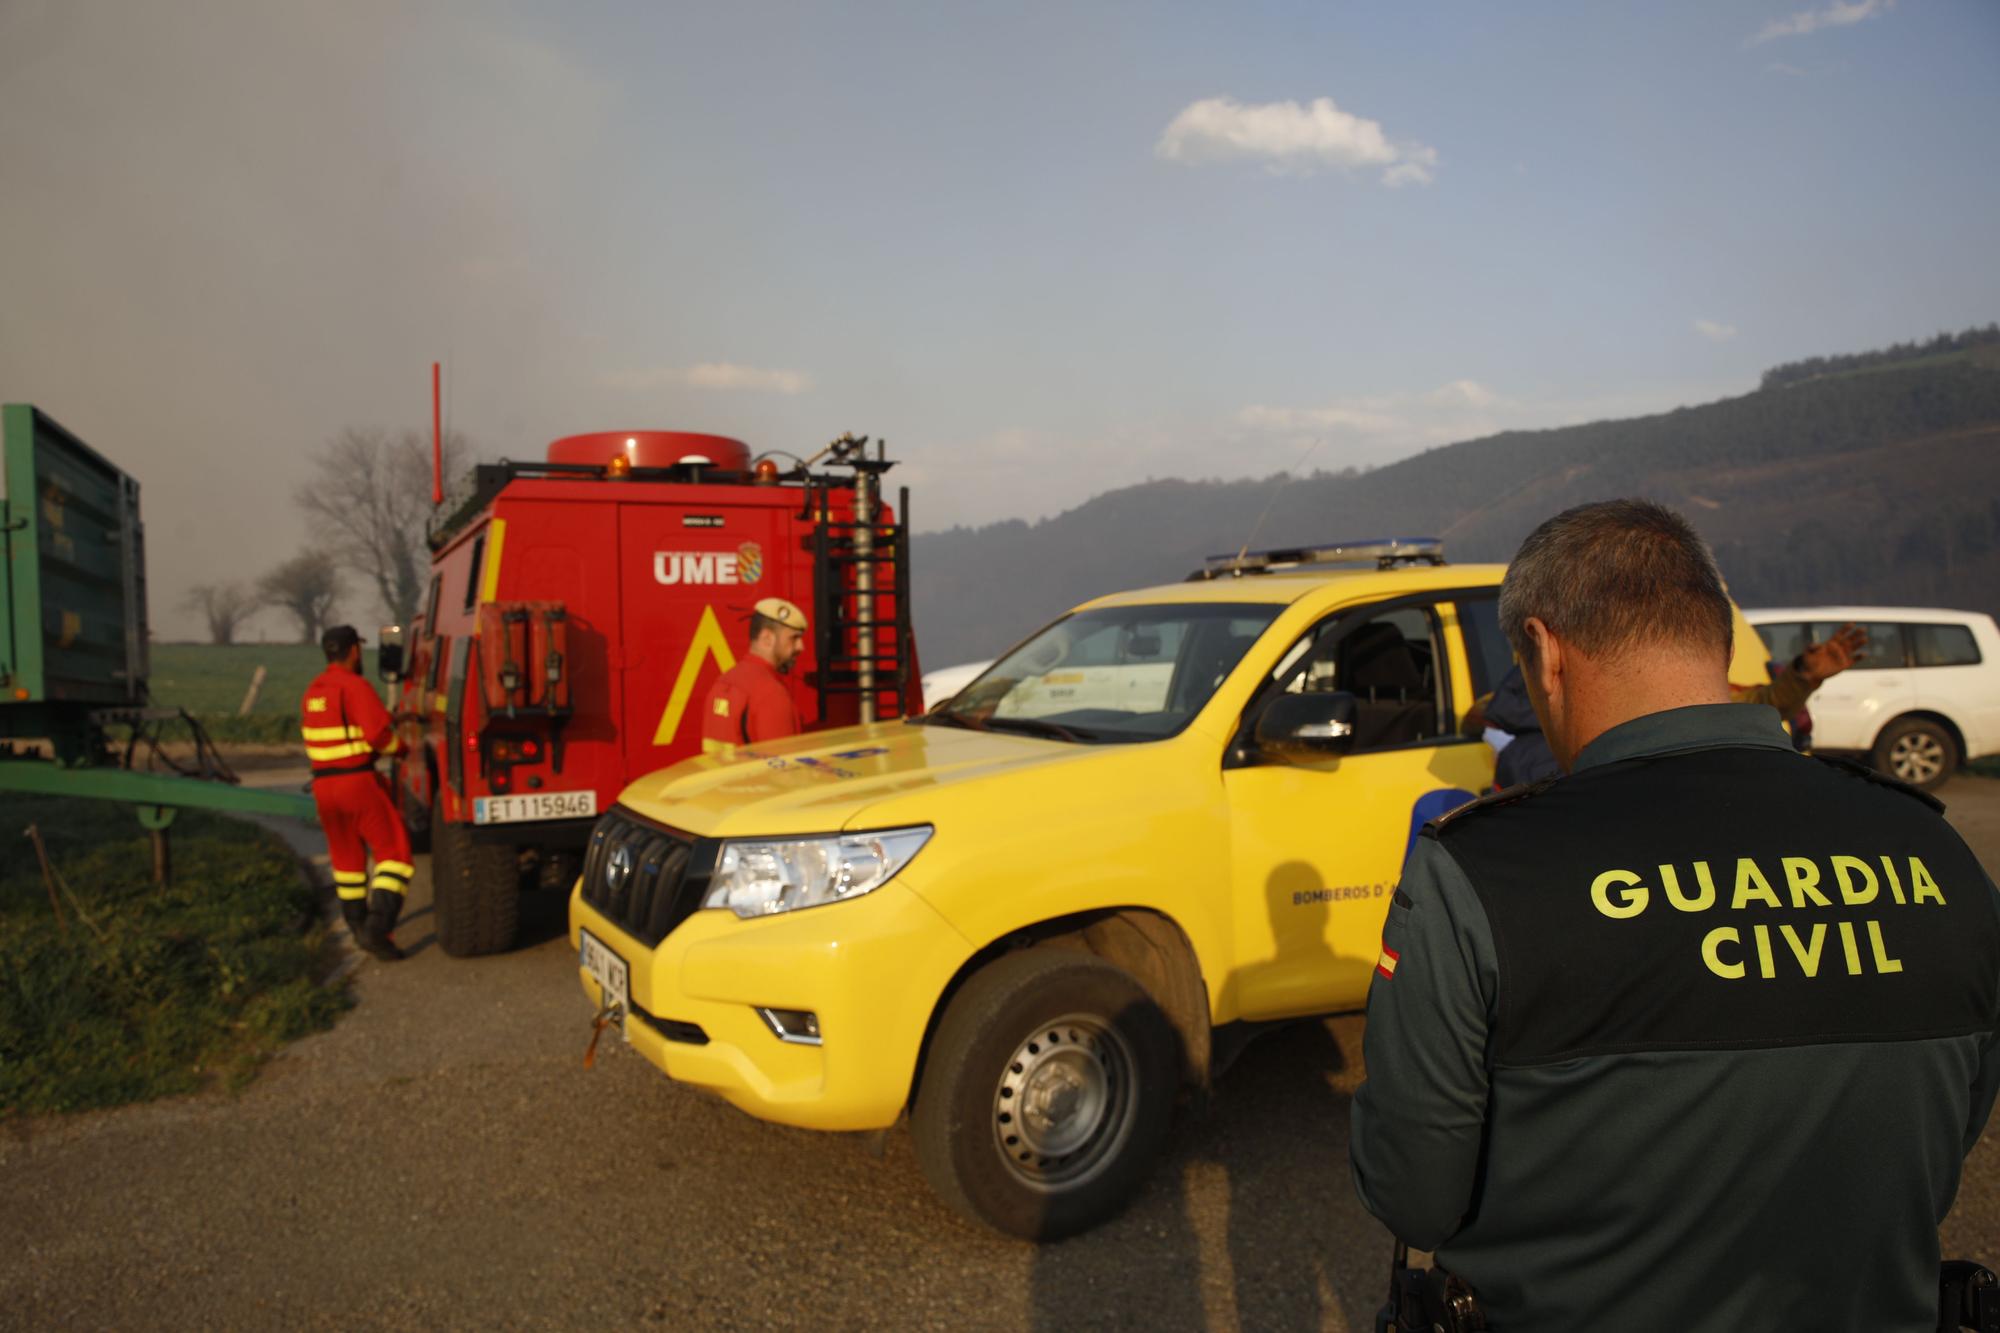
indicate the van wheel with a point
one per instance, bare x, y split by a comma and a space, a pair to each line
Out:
1916, 751
1047, 1094
475, 891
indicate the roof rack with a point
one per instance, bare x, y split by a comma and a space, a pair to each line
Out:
1385, 552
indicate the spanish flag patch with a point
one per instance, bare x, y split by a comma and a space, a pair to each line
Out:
1386, 964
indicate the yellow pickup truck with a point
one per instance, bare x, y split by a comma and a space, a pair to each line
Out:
1029, 917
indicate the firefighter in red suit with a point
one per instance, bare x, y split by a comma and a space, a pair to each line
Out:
750, 701
345, 727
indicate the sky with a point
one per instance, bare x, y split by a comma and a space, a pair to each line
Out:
1045, 250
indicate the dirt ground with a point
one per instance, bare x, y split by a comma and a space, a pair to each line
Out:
442, 1159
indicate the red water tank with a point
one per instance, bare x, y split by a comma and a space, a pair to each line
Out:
652, 448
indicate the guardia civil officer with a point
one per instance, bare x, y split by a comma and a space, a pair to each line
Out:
1698, 1036
750, 701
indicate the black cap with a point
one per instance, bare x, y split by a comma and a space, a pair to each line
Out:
338, 639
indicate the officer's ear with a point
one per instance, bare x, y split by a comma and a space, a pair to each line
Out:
1543, 662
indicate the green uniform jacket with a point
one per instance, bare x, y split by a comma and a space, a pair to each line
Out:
1694, 1038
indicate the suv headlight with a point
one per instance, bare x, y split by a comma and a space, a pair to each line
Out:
755, 877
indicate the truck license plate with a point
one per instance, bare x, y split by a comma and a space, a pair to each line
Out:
534, 805
609, 971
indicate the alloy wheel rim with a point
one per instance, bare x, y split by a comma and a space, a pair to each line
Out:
1064, 1104
1917, 757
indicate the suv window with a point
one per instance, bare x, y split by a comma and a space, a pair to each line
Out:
1885, 645
1786, 640
1943, 645
1491, 657
1387, 661
1120, 673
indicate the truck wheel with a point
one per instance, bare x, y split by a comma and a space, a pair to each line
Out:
1917, 751
1047, 1094
475, 891
416, 819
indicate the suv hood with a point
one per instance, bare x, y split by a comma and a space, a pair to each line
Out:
827, 781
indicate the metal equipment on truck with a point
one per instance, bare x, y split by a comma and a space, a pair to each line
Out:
580, 608
73, 630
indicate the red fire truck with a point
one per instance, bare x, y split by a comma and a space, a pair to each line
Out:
579, 610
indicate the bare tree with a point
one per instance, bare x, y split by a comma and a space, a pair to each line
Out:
225, 606
304, 587
367, 504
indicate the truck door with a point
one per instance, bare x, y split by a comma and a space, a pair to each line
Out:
1318, 847
690, 575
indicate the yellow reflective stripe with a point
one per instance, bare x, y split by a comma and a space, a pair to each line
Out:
489, 577
320, 754
352, 893
348, 733
350, 877
403, 868
389, 884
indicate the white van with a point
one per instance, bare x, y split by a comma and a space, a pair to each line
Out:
1924, 700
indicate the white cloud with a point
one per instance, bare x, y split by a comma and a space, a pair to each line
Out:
1290, 139
711, 375
1714, 332
1840, 14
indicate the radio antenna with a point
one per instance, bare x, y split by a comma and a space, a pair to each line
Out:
1258, 526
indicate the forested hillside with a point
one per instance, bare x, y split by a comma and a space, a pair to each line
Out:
1868, 481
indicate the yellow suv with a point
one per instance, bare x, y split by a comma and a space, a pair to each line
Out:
1031, 917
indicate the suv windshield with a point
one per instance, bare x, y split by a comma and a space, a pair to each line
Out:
1125, 673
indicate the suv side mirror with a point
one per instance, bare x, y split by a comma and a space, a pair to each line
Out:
389, 653
1307, 726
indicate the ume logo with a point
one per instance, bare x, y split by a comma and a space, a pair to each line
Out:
743, 565
675, 567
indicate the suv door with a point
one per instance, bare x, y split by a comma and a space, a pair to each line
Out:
1317, 846
1851, 709
1954, 679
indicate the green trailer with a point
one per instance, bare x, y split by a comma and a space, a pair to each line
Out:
73, 635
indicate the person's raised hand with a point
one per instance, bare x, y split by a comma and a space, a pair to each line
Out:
1847, 646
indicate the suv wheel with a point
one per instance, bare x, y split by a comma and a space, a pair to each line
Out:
1047, 1094
1916, 751
475, 891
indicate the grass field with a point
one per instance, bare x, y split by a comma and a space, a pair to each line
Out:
209, 680
138, 991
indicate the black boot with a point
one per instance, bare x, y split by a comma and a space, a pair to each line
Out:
383, 909
355, 912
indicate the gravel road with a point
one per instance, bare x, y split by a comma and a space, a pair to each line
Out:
441, 1158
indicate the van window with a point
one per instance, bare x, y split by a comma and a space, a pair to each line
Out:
1943, 645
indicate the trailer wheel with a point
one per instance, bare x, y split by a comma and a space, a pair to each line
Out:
475, 891
1047, 1094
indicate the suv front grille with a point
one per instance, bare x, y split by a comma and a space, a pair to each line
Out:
669, 872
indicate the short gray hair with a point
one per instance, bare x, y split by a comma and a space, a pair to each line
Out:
1615, 574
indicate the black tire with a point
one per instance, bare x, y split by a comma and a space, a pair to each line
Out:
475, 891
416, 817
1031, 1027
1917, 751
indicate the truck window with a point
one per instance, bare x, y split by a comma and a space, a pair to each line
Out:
472, 574
431, 613
1943, 645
